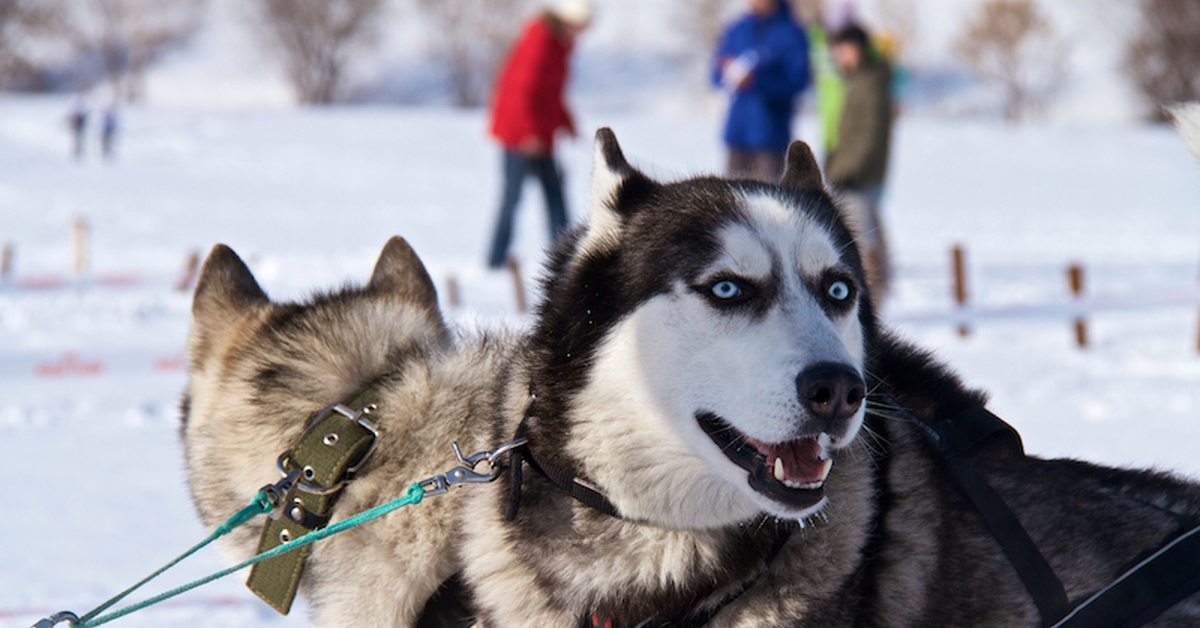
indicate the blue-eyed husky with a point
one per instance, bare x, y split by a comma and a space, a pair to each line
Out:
708, 428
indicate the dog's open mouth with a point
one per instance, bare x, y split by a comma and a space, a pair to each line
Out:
792, 472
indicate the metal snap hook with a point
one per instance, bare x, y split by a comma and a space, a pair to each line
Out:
58, 618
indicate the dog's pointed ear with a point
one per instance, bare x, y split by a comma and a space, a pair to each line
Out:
399, 271
610, 171
225, 285
802, 172
616, 187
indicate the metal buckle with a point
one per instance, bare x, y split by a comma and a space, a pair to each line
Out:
478, 468
360, 418
301, 485
58, 618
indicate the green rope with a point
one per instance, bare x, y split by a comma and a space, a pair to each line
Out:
260, 505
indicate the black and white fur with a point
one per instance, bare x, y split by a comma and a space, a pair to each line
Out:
701, 359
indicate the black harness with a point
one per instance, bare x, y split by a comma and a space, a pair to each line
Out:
1144, 591
1162, 579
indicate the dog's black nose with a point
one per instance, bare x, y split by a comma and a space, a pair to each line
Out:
832, 392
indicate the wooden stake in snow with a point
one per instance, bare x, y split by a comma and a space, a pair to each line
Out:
79, 247
191, 265
452, 297
6, 262
514, 267
958, 258
1075, 278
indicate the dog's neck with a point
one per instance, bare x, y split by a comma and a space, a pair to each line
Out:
583, 491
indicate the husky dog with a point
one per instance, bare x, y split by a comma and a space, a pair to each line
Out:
715, 432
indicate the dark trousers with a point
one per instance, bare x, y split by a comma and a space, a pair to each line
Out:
516, 167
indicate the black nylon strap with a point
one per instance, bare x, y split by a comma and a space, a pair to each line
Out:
1035, 573
1146, 590
954, 436
570, 484
566, 482
1139, 595
968, 428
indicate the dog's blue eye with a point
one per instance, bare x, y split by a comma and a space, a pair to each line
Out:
839, 290
726, 289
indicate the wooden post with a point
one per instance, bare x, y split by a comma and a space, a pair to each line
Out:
6, 262
515, 268
79, 247
191, 265
1075, 277
958, 258
452, 297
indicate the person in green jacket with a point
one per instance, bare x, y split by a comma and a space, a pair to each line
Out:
856, 166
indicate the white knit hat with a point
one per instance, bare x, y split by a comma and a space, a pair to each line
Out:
575, 12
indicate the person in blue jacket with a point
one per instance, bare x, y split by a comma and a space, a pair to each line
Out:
762, 63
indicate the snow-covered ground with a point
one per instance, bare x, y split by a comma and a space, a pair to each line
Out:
91, 368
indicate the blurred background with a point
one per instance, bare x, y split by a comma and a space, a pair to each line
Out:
1030, 137
1020, 59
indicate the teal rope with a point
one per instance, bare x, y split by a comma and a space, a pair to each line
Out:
261, 504
413, 496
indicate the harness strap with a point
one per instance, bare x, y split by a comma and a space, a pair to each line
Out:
1146, 590
579, 489
332, 448
954, 437
1142, 593
1039, 579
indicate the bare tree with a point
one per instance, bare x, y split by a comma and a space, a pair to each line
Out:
702, 22
473, 36
900, 21
315, 40
128, 35
1163, 57
27, 28
1012, 44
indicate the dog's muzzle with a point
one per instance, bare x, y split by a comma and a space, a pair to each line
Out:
793, 472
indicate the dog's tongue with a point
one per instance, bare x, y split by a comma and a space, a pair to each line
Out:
796, 463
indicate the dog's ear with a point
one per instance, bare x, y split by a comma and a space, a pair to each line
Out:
802, 172
616, 186
399, 271
225, 286
610, 169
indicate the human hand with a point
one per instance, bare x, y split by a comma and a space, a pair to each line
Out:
532, 146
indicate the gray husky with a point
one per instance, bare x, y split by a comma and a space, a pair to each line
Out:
704, 426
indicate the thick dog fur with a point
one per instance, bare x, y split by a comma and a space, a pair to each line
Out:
671, 362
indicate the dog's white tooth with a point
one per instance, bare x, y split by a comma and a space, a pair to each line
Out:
779, 470
826, 467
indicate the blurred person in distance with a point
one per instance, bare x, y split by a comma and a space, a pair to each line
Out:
762, 63
528, 111
856, 165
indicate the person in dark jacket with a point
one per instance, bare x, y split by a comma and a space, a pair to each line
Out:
528, 111
857, 165
762, 63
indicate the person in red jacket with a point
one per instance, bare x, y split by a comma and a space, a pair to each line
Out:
528, 111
